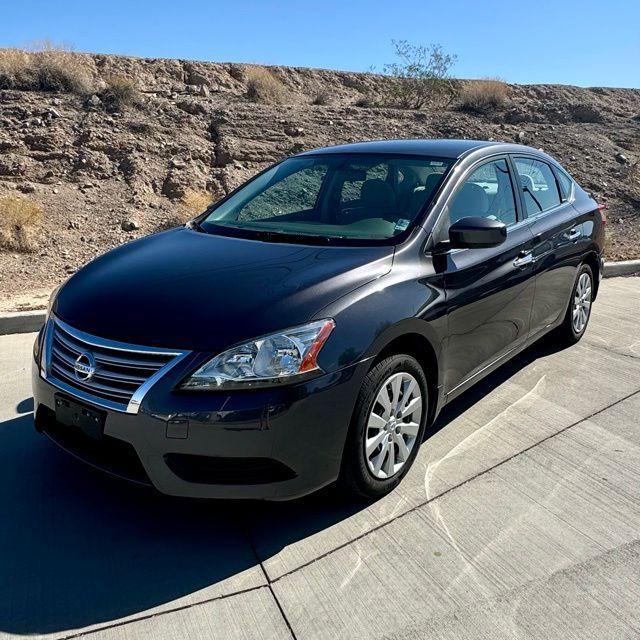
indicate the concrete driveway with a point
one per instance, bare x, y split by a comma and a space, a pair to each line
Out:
520, 518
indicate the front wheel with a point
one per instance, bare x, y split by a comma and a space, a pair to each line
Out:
387, 428
577, 317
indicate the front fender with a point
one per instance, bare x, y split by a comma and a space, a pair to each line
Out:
394, 306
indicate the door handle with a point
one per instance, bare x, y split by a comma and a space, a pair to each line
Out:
574, 234
524, 258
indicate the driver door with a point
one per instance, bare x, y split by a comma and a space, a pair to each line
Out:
489, 291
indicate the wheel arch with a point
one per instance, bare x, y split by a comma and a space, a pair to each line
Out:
593, 261
417, 345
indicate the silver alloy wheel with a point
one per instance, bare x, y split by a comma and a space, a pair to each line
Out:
581, 303
393, 425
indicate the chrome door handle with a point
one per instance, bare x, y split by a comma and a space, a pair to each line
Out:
574, 234
523, 259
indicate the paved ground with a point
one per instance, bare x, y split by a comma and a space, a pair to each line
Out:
520, 518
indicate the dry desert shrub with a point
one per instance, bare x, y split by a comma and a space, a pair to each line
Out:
196, 202
263, 86
192, 203
46, 68
19, 221
321, 99
483, 96
365, 102
120, 92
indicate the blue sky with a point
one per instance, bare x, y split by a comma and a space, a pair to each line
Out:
583, 42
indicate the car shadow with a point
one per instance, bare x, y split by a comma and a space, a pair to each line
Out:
547, 346
79, 548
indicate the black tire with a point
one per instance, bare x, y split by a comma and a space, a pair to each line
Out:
566, 333
356, 479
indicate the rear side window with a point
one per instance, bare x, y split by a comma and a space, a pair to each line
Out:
566, 184
538, 185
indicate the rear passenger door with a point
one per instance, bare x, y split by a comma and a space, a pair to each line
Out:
557, 238
489, 291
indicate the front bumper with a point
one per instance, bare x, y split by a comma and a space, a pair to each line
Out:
276, 444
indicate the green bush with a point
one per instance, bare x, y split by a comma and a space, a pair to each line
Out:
420, 76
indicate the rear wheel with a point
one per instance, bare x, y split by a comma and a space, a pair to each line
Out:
387, 429
577, 317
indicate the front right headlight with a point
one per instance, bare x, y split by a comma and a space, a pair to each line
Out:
271, 359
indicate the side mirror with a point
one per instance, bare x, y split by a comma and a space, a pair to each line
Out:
476, 232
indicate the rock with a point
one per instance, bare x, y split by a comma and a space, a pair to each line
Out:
94, 101
294, 131
26, 187
621, 158
130, 224
11, 165
521, 137
204, 91
52, 112
172, 187
192, 88
196, 78
56, 191
585, 113
192, 107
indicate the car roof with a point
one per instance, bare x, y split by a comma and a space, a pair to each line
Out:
440, 148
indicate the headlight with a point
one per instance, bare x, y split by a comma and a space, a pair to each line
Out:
277, 357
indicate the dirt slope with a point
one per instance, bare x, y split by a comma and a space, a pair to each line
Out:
92, 166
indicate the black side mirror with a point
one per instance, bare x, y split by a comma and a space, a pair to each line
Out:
476, 232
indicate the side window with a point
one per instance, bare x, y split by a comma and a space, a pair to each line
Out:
538, 184
488, 193
295, 193
566, 184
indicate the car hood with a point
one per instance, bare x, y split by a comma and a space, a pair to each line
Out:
190, 290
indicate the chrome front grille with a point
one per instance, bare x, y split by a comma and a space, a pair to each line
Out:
120, 373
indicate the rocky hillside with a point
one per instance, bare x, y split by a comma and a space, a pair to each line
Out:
140, 144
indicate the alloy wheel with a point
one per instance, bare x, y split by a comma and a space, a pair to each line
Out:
581, 303
393, 425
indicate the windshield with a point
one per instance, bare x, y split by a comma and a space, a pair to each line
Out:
349, 197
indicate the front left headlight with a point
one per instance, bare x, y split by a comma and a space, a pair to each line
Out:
271, 359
